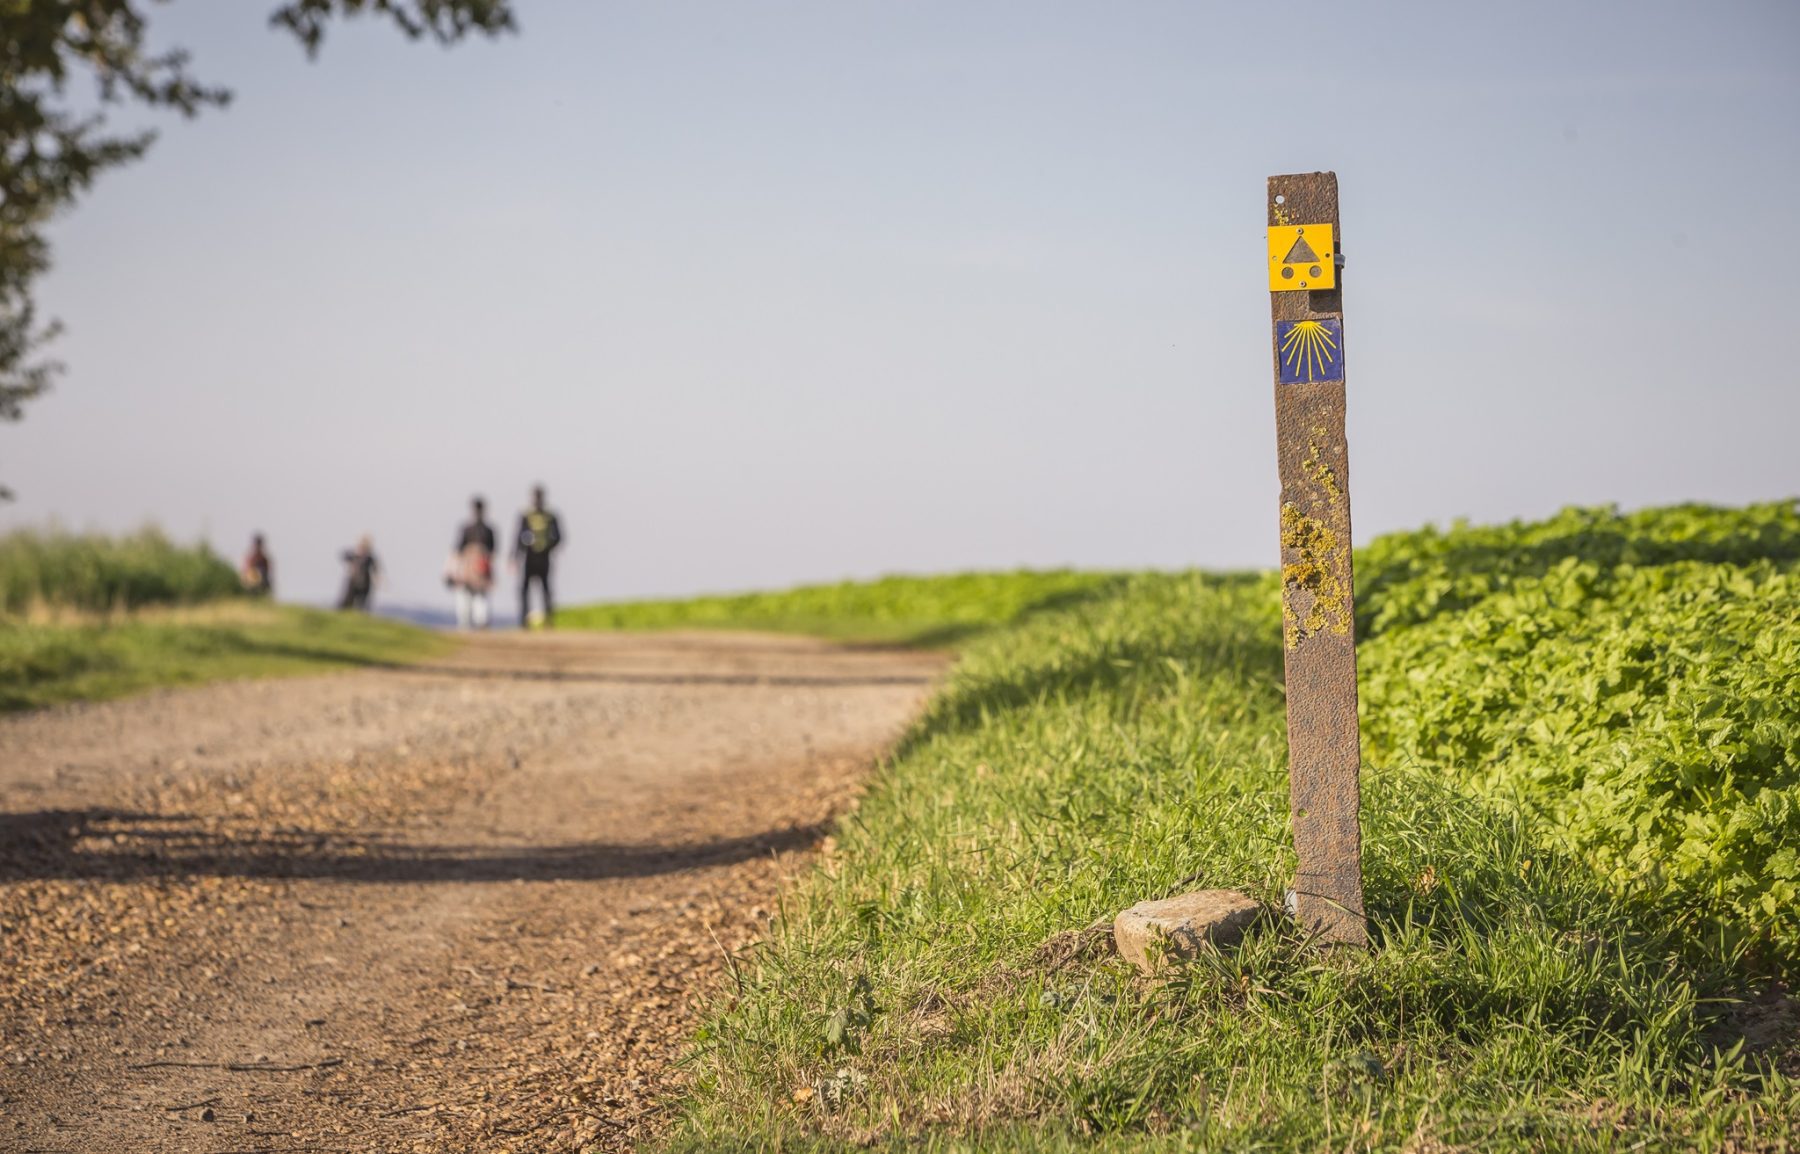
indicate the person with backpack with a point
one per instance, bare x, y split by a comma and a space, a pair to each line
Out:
539, 534
471, 569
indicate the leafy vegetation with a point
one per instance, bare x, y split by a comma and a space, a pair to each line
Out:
898, 610
102, 574
43, 664
1633, 681
1538, 980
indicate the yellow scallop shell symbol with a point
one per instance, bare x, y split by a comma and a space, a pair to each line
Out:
1308, 350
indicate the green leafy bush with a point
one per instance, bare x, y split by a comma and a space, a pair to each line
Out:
1634, 680
1406, 578
98, 573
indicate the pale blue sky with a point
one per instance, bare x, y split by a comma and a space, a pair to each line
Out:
773, 292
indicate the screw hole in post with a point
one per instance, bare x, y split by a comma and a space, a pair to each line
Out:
1279, 199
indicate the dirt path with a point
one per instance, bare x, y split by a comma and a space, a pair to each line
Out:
469, 909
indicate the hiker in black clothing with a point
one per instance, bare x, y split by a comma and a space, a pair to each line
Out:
471, 570
539, 535
360, 571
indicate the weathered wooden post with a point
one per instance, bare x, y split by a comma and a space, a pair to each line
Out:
1318, 622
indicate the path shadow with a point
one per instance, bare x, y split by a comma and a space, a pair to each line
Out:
122, 845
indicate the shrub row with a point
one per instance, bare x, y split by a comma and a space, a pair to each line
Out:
93, 572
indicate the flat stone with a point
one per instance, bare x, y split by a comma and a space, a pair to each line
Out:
1182, 926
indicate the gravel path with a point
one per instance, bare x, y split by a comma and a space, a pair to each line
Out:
471, 908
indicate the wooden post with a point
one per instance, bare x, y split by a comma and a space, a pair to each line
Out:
1318, 613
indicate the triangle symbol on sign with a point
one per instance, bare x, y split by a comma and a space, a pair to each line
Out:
1301, 253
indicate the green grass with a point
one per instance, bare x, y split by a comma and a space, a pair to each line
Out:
104, 574
921, 611
1126, 742
84, 617
44, 664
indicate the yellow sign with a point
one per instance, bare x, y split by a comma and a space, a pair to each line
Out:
1301, 256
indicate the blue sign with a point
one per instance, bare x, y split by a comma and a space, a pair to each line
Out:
1309, 351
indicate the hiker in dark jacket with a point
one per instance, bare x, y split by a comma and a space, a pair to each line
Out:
539, 535
360, 573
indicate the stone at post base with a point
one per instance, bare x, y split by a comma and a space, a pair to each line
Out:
1181, 926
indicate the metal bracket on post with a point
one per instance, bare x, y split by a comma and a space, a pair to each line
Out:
1318, 610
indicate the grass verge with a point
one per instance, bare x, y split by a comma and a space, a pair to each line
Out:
47, 663
920, 611
1126, 743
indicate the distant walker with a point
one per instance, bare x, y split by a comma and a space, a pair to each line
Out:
539, 535
471, 569
257, 573
361, 572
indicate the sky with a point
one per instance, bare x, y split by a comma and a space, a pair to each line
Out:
780, 292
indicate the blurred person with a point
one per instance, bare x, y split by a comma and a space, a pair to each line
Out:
361, 570
539, 535
471, 571
257, 573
